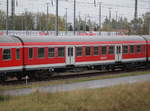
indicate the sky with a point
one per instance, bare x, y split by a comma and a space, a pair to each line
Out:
85, 8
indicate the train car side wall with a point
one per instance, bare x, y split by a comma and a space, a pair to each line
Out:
11, 62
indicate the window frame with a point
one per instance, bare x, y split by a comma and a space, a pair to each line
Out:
29, 53
125, 51
3, 54
43, 53
63, 52
138, 48
81, 51
17, 54
113, 50
86, 51
96, 50
133, 50
103, 50
51, 53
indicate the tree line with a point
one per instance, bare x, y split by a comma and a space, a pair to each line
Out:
139, 26
39, 21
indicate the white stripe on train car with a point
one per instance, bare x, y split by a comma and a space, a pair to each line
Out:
134, 59
44, 65
109, 61
82, 63
11, 47
95, 62
11, 68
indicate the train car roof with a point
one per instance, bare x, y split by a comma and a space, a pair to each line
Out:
80, 38
147, 37
9, 39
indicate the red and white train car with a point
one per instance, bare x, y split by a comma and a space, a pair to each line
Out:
147, 39
29, 54
11, 56
51, 52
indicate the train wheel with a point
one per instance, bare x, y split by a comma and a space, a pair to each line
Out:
112, 68
19, 77
3, 78
37, 76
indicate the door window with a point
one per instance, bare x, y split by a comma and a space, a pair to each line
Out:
70, 51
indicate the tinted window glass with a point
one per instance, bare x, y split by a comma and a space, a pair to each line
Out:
41, 52
78, 51
104, 50
6, 54
51, 52
95, 50
138, 48
125, 49
132, 49
111, 50
61, 52
87, 51
30, 53
17, 53
70, 51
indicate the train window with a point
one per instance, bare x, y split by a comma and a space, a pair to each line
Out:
111, 50
41, 52
87, 51
138, 48
70, 51
61, 52
6, 54
132, 49
17, 53
104, 50
30, 53
95, 50
78, 51
51, 52
125, 49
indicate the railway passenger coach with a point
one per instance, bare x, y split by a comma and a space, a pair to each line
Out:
11, 56
20, 56
147, 39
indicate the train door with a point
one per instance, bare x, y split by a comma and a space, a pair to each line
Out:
70, 55
118, 53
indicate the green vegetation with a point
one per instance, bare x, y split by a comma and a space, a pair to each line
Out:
37, 21
34, 85
131, 97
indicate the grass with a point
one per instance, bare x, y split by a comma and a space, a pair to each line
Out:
133, 97
35, 85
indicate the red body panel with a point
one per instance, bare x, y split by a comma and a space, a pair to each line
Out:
39, 61
92, 57
13, 62
129, 55
148, 51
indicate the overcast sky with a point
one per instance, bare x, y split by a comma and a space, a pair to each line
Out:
124, 8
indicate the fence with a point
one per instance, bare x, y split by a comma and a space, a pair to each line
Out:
52, 33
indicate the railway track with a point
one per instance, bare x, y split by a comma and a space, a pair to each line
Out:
69, 75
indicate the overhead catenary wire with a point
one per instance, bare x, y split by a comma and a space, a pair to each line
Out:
122, 7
